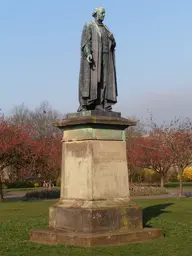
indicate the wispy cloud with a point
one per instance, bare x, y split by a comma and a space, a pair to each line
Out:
163, 105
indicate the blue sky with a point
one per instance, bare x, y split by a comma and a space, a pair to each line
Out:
40, 54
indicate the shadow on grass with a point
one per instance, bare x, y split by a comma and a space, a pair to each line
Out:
153, 212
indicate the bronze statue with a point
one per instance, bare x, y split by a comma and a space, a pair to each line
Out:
97, 80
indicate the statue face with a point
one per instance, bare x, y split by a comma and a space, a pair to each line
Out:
100, 14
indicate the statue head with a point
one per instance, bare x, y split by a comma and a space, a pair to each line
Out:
99, 14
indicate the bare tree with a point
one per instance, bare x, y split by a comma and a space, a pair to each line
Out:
178, 141
20, 115
132, 134
42, 118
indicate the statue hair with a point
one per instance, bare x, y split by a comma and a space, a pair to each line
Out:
96, 10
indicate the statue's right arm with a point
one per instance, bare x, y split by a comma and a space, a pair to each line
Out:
86, 39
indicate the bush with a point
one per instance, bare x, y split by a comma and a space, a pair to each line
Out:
4, 186
187, 174
36, 185
150, 176
43, 194
174, 179
20, 184
188, 194
140, 190
136, 177
145, 176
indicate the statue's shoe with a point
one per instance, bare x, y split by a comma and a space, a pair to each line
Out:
81, 108
99, 108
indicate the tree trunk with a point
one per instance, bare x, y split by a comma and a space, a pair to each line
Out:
130, 180
162, 181
180, 182
1, 191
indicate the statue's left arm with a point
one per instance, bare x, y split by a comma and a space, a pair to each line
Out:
111, 37
113, 45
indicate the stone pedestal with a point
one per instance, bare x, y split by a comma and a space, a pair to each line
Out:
94, 207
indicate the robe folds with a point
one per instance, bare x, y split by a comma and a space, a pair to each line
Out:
91, 75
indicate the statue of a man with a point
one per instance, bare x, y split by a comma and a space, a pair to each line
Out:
97, 81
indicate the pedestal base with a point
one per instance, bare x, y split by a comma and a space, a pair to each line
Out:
95, 207
53, 237
95, 216
95, 223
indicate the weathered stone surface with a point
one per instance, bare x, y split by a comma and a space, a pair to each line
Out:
94, 113
92, 133
99, 219
95, 204
94, 170
53, 237
107, 122
95, 207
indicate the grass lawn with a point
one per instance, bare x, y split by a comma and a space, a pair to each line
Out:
17, 219
176, 185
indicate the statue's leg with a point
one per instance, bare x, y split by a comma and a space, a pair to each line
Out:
102, 84
106, 103
83, 103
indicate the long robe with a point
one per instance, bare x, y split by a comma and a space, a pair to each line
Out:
90, 74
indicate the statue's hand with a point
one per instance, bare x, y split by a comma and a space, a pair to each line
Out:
90, 58
111, 37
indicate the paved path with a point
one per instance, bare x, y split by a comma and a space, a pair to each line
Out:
20, 195
14, 196
156, 196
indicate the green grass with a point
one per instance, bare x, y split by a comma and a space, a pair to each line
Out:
17, 219
176, 185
